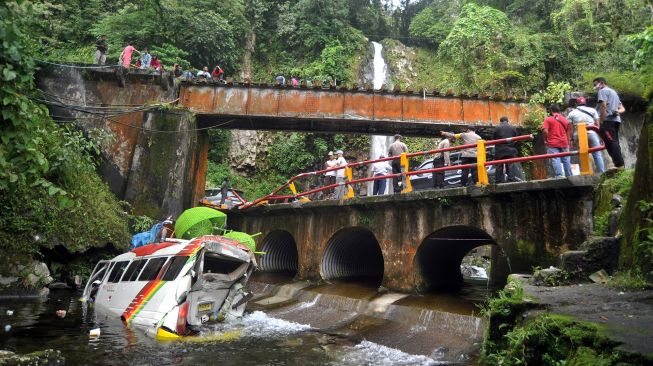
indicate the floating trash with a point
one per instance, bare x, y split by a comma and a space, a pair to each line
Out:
7, 327
10, 312
61, 313
94, 333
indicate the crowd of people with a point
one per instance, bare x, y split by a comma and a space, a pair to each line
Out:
147, 61
560, 134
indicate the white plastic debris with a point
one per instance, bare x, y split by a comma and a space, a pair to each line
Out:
94, 333
7, 327
10, 312
61, 313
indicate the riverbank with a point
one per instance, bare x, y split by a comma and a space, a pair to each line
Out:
583, 324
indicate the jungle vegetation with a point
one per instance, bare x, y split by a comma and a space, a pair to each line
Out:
513, 47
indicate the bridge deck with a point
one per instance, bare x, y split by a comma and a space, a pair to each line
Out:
341, 110
430, 197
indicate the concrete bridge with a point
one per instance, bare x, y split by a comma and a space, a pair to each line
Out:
341, 109
157, 160
416, 241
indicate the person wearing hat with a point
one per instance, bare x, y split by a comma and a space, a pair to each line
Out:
330, 176
101, 48
396, 149
468, 156
340, 175
584, 114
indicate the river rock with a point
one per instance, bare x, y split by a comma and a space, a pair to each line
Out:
48, 357
39, 276
7, 281
25, 280
551, 276
595, 254
58, 286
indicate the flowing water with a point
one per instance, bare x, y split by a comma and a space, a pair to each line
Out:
287, 323
379, 143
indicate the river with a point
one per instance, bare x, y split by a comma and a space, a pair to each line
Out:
328, 324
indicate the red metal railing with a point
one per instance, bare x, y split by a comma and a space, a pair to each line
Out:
583, 152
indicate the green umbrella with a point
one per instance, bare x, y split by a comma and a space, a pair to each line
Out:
242, 238
198, 221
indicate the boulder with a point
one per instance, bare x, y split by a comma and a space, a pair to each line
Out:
48, 357
595, 254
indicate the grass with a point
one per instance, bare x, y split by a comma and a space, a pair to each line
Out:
628, 281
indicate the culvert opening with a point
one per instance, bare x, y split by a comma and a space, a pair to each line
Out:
280, 254
439, 258
353, 255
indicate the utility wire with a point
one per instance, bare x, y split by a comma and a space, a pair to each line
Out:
109, 117
77, 66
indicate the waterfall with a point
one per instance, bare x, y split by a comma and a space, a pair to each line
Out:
379, 143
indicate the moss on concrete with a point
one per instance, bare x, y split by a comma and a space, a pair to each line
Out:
636, 224
619, 183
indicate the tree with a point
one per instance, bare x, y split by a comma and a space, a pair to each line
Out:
488, 54
432, 24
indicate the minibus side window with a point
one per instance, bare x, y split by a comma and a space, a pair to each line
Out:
117, 271
108, 272
134, 269
152, 269
176, 264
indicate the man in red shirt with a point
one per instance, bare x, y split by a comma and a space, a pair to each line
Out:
557, 135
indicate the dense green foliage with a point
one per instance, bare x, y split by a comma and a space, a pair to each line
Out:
50, 193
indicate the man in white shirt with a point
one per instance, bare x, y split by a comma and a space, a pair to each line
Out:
584, 114
441, 159
468, 156
379, 169
396, 149
330, 177
340, 175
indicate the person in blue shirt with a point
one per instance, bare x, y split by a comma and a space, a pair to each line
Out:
146, 58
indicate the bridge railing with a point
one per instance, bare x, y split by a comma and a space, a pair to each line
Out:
583, 152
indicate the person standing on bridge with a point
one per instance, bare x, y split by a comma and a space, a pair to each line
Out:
609, 106
340, 175
126, 55
330, 176
396, 149
146, 59
101, 50
224, 190
379, 169
506, 151
441, 159
557, 135
468, 156
584, 114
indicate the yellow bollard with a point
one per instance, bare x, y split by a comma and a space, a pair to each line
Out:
350, 176
408, 187
583, 153
480, 163
292, 187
